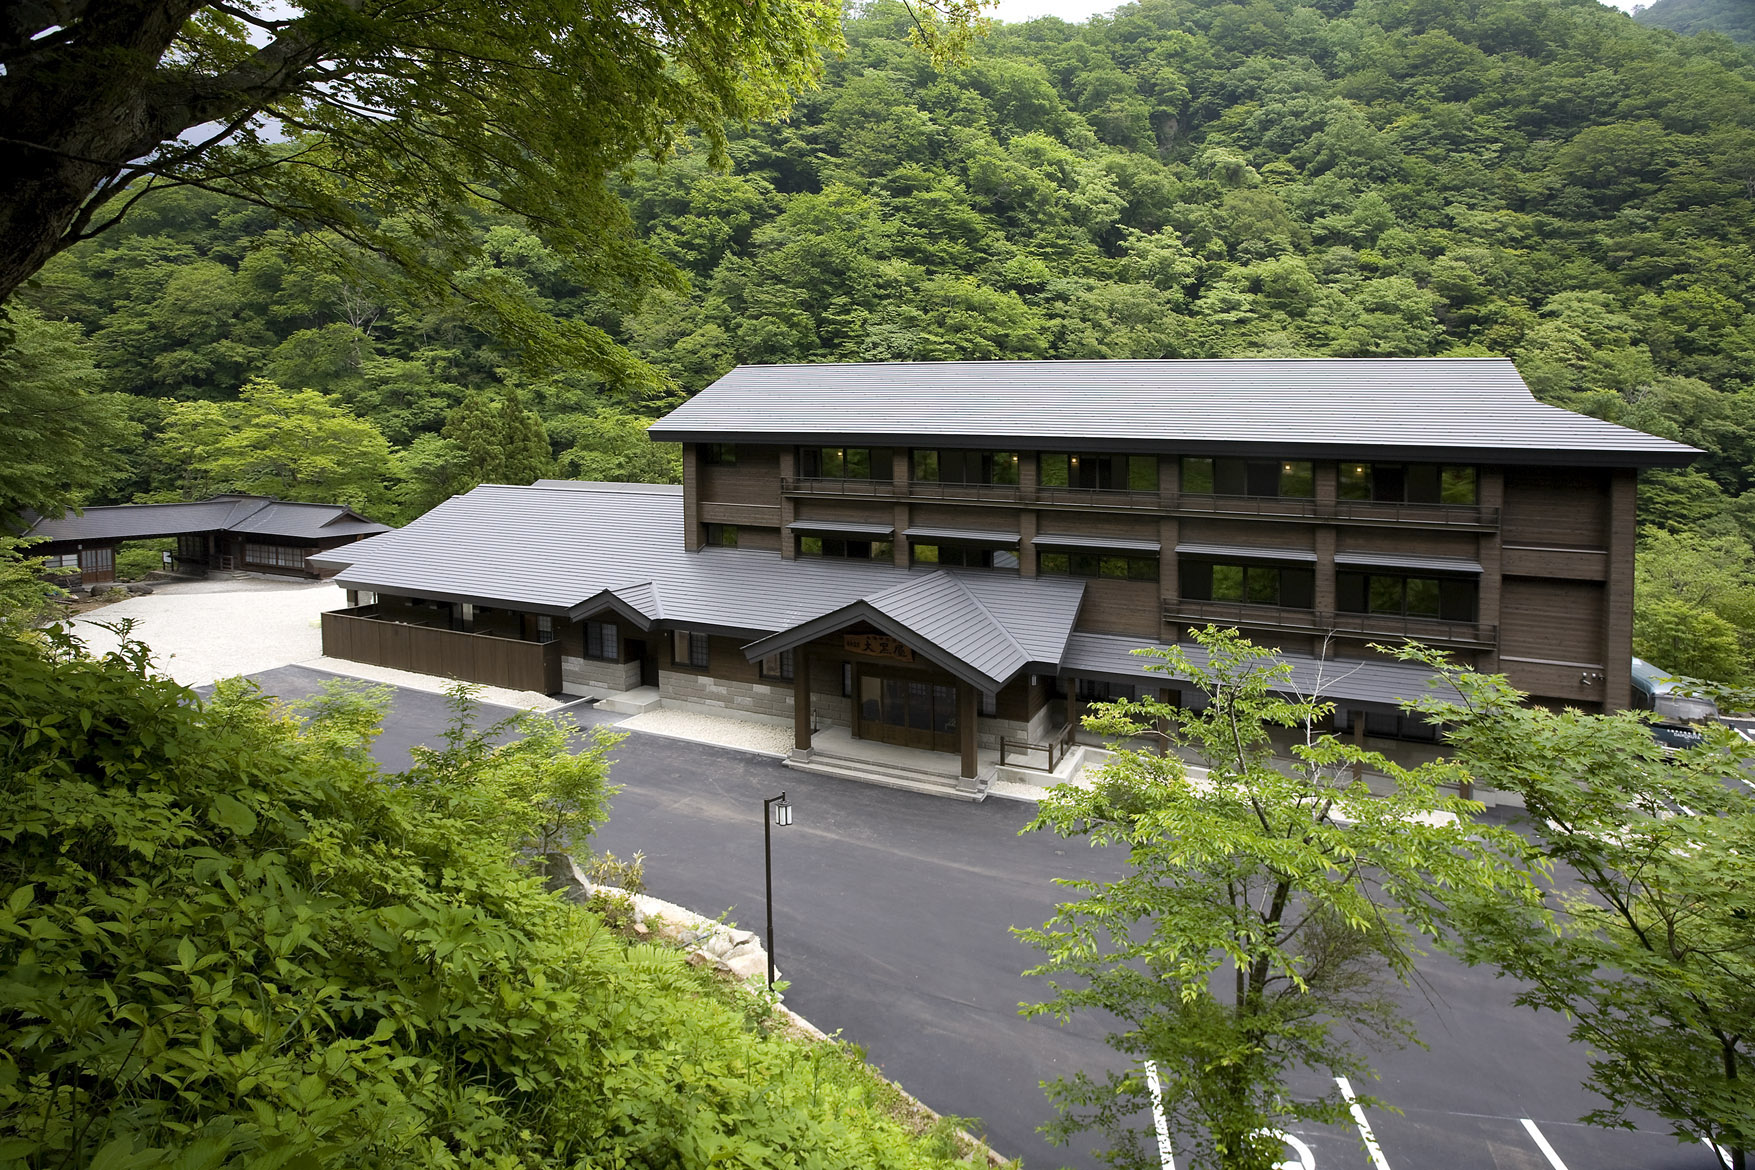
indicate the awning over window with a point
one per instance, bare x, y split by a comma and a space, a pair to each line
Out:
1393, 560
1246, 552
851, 527
1081, 540
962, 535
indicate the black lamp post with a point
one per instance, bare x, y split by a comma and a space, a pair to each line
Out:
782, 816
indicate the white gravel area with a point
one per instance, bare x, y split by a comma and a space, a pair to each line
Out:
203, 631
770, 739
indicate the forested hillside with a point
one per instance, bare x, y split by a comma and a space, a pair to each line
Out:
1546, 179
1734, 18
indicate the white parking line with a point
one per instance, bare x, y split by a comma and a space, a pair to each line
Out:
1542, 1145
1158, 1119
1371, 1146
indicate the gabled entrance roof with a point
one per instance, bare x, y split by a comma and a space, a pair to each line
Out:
936, 616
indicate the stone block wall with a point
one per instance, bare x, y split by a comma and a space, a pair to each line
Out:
988, 732
595, 674
772, 700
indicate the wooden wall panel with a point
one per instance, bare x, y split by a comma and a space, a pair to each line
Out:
1567, 508
1097, 524
1255, 534
973, 517
1408, 542
1571, 564
1121, 607
753, 479
1552, 621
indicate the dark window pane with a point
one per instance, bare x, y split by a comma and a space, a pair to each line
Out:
1054, 564
926, 465
1350, 592
834, 462
883, 550
1142, 568
1355, 481
1423, 597
1297, 481
1262, 585
1197, 475
1142, 473
1005, 558
1005, 468
1263, 478
1230, 477
1423, 483
1298, 588
1114, 568
1458, 485
1086, 564
810, 546
1389, 482
858, 463
1197, 580
1051, 470
723, 454
1456, 600
883, 463
1227, 582
1384, 594
810, 462
925, 554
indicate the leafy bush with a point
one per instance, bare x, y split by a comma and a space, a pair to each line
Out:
137, 558
225, 940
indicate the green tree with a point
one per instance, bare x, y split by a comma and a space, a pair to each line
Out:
294, 444
1645, 945
1267, 905
228, 940
1694, 603
498, 442
61, 431
615, 448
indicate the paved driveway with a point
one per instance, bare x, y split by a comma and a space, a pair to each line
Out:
891, 922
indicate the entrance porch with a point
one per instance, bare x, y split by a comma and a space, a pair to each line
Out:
834, 751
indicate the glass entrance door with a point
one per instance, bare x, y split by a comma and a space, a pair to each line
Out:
908, 711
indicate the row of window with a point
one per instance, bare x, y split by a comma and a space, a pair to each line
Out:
1410, 483
279, 556
1451, 599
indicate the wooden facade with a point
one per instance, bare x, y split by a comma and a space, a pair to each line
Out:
1545, 554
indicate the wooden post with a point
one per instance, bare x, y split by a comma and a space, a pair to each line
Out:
966, 709
801, 700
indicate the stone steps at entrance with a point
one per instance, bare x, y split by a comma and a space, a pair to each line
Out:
635, 702
891, 774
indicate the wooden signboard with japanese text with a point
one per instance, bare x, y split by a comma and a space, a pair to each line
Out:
877, 646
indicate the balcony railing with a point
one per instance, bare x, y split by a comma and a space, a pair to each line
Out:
1319, 621
1341, 511
1253, 507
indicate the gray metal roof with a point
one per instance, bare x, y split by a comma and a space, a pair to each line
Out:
1374, 681
1337, 407
971, 535
671, 489
1074, 540
936, 614
1245, 551
249, 515
556, 549
1394, 560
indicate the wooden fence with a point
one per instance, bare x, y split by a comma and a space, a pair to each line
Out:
478, 658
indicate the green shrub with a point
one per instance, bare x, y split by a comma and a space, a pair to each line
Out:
137, 558
226, 941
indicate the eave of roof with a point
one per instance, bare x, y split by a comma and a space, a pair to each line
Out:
1421, 409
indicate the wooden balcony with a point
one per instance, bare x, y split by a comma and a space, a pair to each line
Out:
1370, 513
1469, 517
1391, 627
359, 635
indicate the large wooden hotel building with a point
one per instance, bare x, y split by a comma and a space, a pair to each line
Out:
942, 556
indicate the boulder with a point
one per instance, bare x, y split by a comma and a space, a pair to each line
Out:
750, 965
137, 589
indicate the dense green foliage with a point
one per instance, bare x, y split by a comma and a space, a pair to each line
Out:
225, 940
1733, 18
1650, 955
1265, 911
1546, 179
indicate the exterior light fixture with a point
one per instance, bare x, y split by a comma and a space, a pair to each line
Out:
775, 811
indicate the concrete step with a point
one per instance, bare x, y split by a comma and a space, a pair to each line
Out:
889, 776
635, 702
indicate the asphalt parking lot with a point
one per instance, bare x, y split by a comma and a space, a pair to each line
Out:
891, 922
